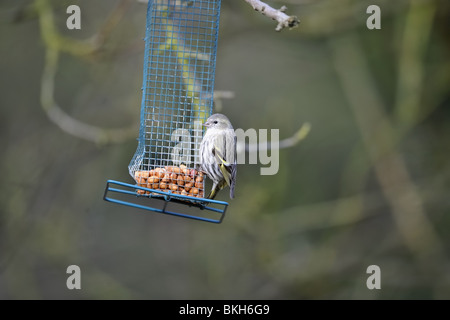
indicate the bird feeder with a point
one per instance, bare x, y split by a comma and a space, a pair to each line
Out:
177, 97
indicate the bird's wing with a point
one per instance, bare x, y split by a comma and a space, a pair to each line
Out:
227, 160
225, 166
233, 170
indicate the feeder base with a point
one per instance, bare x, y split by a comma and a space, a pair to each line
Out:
165, 202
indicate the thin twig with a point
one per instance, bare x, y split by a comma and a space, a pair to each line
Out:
285, 143
67, 123
110, 23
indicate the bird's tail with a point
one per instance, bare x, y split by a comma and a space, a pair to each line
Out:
216, 188
213, 192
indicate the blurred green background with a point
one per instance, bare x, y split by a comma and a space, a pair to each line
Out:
368, 186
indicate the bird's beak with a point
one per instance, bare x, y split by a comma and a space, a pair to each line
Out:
206, 124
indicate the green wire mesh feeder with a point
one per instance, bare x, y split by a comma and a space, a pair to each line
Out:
179, 67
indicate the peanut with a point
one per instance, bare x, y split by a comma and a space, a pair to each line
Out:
199, 185
173, 169
159, 172
176, 170
180, 180
166, 178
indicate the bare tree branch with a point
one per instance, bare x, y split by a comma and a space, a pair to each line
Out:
284, 21
296, 138
57, 115
379, 136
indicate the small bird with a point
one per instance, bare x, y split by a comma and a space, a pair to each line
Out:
218, 153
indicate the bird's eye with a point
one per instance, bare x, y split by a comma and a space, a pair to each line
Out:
215, 122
